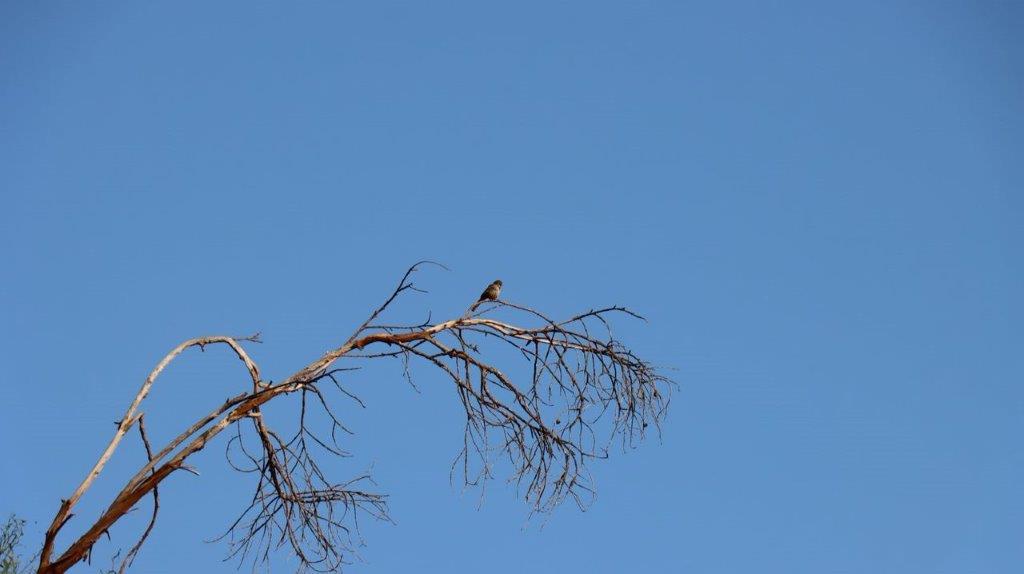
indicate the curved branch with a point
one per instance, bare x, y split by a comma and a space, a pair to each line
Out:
547, 428
125, 424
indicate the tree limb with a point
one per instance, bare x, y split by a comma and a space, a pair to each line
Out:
546, 430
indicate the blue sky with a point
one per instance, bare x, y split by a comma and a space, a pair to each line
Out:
816, 204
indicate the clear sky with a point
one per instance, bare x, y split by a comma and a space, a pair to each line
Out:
818, 206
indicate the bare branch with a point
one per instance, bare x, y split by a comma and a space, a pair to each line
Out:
64, 513
582, 390
130, 557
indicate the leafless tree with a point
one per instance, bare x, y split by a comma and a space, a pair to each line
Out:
582, 390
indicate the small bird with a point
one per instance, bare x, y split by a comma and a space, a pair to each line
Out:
491, 293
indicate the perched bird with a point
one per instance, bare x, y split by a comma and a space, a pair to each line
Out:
491, 293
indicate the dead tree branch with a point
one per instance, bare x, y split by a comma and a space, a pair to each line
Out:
583, 389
